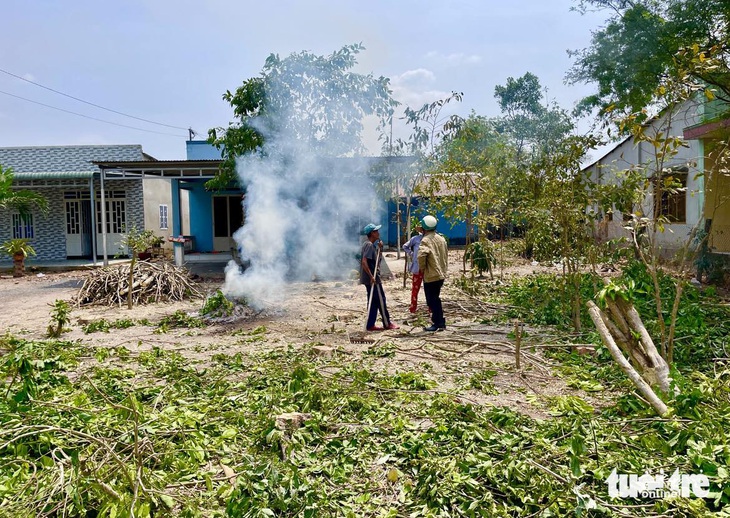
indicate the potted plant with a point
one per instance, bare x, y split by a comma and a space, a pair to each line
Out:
18, 249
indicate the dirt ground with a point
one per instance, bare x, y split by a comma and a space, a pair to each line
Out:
327, 314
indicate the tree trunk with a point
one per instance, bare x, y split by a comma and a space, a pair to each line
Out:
599, 319
18, 265
131, 281
673, 321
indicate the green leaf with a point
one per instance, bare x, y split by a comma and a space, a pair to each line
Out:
168, 500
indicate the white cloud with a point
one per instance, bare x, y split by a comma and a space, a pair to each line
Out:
453, 59
28, 77
415, 88
419, 75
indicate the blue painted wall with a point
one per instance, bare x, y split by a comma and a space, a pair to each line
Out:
453, 230
201, 215
201, 150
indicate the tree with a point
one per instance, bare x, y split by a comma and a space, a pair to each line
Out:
471, 172
558, 209
136, 241
640, 47
429, 127
532, 127
309, 100
21, 200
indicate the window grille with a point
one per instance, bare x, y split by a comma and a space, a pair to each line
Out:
163, 217
23, 226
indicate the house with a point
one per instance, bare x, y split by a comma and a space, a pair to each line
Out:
456, 232
711, 135
201, 221
206, 220
68, 179
683, 208
179, 205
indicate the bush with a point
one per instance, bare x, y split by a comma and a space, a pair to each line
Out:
544, 299
702, 323
482, 256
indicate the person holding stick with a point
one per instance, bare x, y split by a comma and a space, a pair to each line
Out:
370, 276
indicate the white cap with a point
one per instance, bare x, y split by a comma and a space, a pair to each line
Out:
429, 223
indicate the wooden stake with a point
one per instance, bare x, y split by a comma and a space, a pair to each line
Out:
518, 344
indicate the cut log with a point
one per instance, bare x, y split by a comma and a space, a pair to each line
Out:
598, 320
290, 421
321, 350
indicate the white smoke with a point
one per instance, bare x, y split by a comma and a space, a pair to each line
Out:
303, 211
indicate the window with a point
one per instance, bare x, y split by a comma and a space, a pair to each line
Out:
163, 217
671, 194
23, 226
116, 214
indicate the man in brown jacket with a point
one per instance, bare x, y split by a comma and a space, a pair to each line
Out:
433, 261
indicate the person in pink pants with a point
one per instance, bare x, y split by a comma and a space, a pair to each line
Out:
411, 250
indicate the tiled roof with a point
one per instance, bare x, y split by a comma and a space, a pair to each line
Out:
49, 159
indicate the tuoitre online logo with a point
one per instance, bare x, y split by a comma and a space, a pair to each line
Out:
657, 486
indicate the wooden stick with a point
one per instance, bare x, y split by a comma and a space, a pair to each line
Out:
518, 343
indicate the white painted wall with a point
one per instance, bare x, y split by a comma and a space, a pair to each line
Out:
157, 192
629, 154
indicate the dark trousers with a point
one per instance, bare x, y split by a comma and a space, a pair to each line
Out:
433, 299
378, 304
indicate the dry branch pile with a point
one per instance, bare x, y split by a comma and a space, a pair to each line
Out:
153, 282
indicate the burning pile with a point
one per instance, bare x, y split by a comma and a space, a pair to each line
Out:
152, 282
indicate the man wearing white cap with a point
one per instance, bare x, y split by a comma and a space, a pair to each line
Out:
433, 260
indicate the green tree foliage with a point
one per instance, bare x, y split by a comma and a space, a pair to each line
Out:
532, 126
641, 45
21, 200
313, 101
559, 215
429, 128
472, 174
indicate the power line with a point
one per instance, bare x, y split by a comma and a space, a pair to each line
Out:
89, 117
90, 103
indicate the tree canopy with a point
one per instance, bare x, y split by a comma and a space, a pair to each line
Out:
531, 125
641, 45
302, 100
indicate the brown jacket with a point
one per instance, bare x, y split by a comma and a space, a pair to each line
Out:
433, 257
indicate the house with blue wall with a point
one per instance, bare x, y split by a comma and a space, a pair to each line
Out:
206, 220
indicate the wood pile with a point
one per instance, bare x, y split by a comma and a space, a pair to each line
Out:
152, 282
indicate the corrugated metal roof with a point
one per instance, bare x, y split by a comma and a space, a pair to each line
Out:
53, 175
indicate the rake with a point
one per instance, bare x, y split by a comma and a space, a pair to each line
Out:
360, 338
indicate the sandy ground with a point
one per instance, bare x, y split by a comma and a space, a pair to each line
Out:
329, 314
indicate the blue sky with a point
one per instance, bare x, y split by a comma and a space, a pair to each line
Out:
170, 60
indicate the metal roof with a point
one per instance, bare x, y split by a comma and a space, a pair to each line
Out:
160, 168
206, 169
